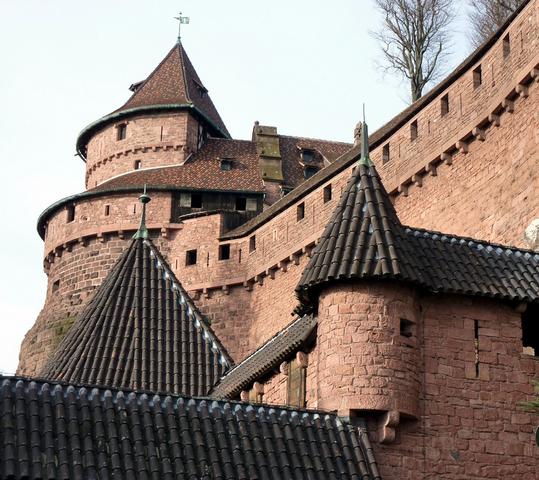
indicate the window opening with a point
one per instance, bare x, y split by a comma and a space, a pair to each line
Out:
252, 243
476, 346
241, 204
477, 76
300, 211
224, 252
444, 105
308, 172
307, 156
196, 200
506, 46
385, 153
121, 131
107, 210
137, 164
530, 331
55, 286
190, 257
226, 164
327, 193
406, 328
413, 130
70, 213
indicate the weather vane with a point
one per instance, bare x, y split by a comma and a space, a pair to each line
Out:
181, 21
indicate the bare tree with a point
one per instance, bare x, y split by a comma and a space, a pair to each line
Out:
414, 39
487, 16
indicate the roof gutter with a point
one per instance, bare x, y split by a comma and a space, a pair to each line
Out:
87, 132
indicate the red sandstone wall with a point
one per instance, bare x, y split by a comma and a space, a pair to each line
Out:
156, 140
490, 193
470, 427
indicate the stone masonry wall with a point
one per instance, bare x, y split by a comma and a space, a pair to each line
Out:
156, 140
471, 425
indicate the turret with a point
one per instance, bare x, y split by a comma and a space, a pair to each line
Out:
167, 119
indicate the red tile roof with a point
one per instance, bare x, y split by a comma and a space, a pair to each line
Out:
175, 81
202, 170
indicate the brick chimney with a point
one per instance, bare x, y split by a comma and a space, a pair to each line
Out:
269, 154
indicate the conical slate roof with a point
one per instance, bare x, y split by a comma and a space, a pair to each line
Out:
141, 331
175, 82
365, 239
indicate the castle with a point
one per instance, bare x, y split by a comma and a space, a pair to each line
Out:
312, 274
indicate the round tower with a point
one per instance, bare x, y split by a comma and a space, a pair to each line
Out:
168, 119
369, 324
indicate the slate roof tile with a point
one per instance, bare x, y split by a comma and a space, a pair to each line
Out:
141, 330
266, 357
56, 430
175, 81
365, 239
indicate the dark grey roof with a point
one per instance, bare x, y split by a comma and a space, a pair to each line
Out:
56, 431
365, 239
141, 330
265, 358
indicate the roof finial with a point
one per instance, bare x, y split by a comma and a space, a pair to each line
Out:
142, 231
365, 160
181, 21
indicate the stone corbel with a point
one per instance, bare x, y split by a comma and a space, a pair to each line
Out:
432, 169
417, 179
283, 265
164, 232
248, 285
535, 74
447, 158
387, 426
260, 279
283, 368
494, 119
479, 134
509, 105
244, 396
225, 289
403, 189
522, 90
461, 146
295, 258
302, 359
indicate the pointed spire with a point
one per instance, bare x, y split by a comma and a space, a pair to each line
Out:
142, 231
365, 159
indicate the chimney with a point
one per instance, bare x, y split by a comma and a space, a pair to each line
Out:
269, 154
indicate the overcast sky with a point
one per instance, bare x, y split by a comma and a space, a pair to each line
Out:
305, 66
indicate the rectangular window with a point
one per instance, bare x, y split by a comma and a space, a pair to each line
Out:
530, 331
121, 131
185, 200
296, 384
70, 213
444, 104
327, 193
224, 252
241, 204
414, 131
196, 200
300, 212
55, 286
252, 243
107, 210
506, 46
406, 328
137, 164
225, 164
190, 257
385, 153
477, 76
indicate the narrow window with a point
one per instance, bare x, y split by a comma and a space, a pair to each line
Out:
530, 331
300, 211
413, 130
224, 252
196, 200
252, 243
385, 153
134, 208
107, 210
121, 131
55, 286
190, 257
327, 193
241, 204
444, 104
477, 76
506, 46
406, 328
296, 384
137, 164
70, 213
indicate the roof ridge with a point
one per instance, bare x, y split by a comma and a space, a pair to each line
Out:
316, 139
471, 239
139, 392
